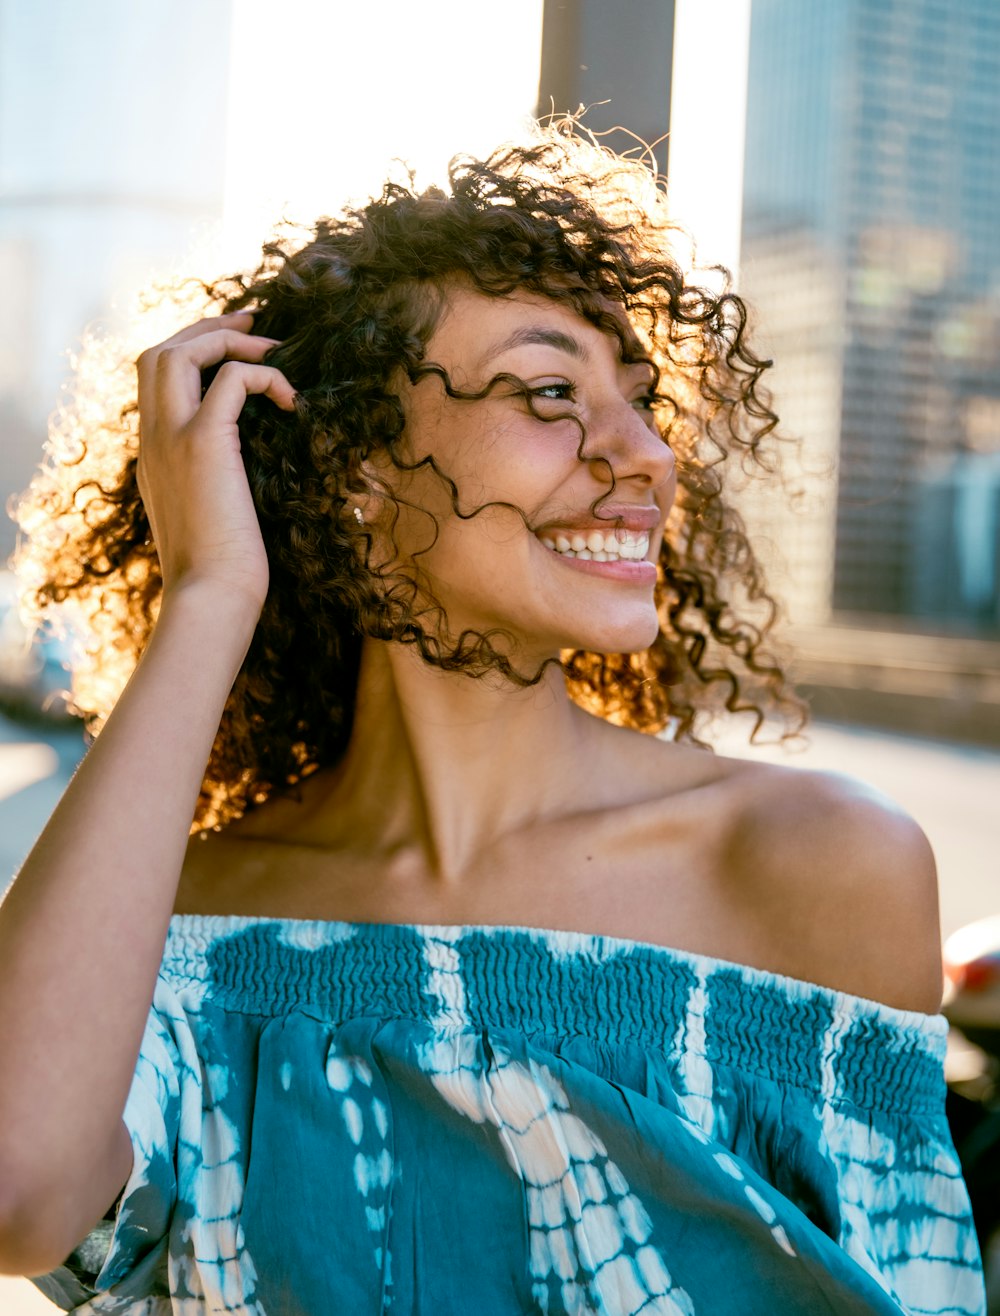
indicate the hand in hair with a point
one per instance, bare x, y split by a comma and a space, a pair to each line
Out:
190, 473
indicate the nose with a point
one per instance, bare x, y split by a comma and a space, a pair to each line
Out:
625, 446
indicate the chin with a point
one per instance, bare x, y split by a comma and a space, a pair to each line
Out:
633, 638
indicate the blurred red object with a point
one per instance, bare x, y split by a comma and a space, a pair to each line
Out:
972, 976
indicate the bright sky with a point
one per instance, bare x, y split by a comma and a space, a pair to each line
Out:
707, 116
362, 83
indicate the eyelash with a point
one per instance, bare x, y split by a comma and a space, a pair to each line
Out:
567, 391
568, 394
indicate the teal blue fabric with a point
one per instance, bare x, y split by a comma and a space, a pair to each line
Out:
361, 1118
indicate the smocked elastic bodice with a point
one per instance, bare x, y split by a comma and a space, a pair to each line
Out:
559, 984
358, 1118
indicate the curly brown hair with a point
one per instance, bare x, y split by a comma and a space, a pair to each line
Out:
354, 308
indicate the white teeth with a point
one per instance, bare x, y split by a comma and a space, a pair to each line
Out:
600, 546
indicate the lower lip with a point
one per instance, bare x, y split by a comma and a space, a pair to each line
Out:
633, 573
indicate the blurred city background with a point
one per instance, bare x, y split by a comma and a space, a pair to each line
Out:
842, 159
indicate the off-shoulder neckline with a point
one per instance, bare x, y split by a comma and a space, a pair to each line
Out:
601, 944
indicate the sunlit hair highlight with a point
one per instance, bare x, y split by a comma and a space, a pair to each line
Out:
354, 308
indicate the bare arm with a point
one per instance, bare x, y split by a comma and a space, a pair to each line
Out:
82, 929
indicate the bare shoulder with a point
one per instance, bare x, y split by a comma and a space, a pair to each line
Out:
214, 873
222, 870
843, 880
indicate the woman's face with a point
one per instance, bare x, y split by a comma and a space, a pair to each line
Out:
492, 570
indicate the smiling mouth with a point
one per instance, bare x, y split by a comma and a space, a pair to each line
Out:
599, 545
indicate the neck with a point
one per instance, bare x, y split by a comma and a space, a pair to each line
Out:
445, 765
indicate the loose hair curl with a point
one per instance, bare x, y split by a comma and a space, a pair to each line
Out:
354, 308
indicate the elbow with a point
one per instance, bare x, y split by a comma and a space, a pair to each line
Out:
27, 1242
46, 1209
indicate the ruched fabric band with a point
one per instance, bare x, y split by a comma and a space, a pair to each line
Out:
546, 984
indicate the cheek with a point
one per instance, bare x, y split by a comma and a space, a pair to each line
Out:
667, 492
664, 498
493, 502
492, 457
459, 441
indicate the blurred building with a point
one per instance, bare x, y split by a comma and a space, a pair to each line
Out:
956, 550
616, 61
112, 152
870, 251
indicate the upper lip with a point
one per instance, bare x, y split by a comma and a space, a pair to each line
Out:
628, 517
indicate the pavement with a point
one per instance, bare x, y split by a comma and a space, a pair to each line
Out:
952, 790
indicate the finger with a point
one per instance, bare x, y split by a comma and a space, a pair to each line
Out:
146, 365
177, 385
239, 320
235, 382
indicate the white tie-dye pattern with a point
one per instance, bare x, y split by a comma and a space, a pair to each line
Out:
570, 946
908, 1260
363, 1114
314, 936
553, 1153
366, 1120
586, 1229
225, 1266
212, 1264
694, 1070
763, 1208
696, 1098
863, 1162
444, 979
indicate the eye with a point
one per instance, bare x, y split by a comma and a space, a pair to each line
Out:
647, 405
563, 391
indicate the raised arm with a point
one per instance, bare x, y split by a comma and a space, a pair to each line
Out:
83, 926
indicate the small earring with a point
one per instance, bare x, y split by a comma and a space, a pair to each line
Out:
359, 516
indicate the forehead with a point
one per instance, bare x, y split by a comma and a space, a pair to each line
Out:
473, 328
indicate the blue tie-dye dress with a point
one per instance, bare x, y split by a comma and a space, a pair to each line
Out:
356, 1118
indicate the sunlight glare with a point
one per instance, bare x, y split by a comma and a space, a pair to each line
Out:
24, 764
322, 100
707, 124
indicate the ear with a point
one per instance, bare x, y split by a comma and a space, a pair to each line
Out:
368, 496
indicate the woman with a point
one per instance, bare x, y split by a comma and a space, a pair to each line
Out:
471, 1001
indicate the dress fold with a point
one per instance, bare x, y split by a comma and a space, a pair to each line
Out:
363, 1118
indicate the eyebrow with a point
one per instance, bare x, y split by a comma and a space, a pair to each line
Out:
538, 334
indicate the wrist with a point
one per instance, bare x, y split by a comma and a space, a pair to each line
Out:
220, 613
